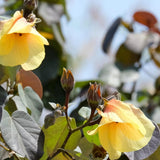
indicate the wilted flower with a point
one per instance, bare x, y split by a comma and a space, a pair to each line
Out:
20, 43
123, 128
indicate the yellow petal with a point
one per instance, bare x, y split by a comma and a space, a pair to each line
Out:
47, 35
41, 38
125, 137
92, 132
21, 26
117, 109
13, 49
7, 24
105, 134
109, 117
36, 53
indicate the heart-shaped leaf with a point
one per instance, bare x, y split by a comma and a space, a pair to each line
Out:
22, 134
31, 100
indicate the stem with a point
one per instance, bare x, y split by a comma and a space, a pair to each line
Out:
65, 152
76, 129
85, 124
7, 149
66, 110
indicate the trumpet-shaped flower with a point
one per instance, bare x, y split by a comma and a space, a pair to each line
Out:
123, 128
20, 43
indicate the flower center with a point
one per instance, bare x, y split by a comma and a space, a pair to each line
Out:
20, 34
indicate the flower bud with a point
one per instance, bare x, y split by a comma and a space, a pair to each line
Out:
94, 95
67, 80
29, 7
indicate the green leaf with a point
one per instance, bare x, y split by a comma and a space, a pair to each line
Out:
22, 134
10, 107
56, 134
61, 156
3, 76
31, 100
7, 72
54, 92
86, 147
11, 72
94, 138
125, 58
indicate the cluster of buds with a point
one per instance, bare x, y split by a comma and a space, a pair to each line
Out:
67, 80
94, 95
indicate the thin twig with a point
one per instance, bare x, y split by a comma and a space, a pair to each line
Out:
66, 109
7, 149
65, 152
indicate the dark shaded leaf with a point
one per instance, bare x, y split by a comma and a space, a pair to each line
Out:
3, 95
157, 84
3, 76
53, 92
10, 106
0, 113
149, 149
145, 18
50, 66
22, 134
110, 34
125, 58
50, 118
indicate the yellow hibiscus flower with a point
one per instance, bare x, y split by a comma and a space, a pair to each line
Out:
123, 128
20, 43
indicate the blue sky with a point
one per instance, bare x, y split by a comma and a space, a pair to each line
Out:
89, 22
